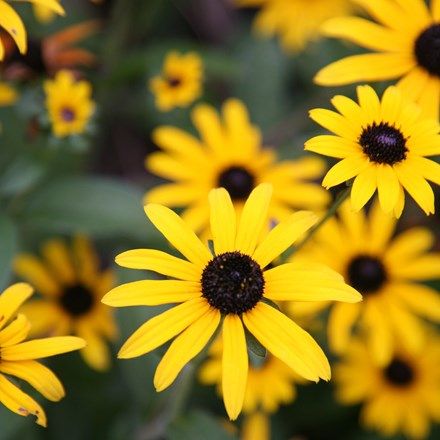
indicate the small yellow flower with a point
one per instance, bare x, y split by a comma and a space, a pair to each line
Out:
231, 283
71, 285
402, 396
387, 271
8, 95
69, 104
382, 144
296, 22
11, 22
229, 155
18, 358
43, 14
180, 83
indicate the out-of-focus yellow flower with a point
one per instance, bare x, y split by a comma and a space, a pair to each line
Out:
11, 22
43, 14
71, 285
180, 83
69, 104
296, 22
402, 396
8, 95
229, 155
387, 271
18, 357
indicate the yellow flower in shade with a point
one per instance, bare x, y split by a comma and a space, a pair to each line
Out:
69, 104
296, 22
387, 271
43, 14
11, 22
71, 285
8, 95
18, 357
406, 39
180, 83
383, 144
231, 284
402, 396
229, 155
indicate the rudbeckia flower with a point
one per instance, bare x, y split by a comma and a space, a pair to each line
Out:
69, 104
401, 397
180, 83
11, 22
296, 22
387, 270
406, 39
230, 285
18, 357
382, 144
229, 155
71, 287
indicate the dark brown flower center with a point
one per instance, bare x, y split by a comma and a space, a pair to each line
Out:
238, 181
77, 300
232, 283
383, 143
67, 114
399, 373
174, 82
366, 274
427, 49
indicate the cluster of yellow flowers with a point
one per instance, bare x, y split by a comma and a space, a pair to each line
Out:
261, 244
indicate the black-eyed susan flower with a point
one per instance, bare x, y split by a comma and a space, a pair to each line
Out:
69, 104
296, 22
387, 270
71, 285
18, 357
180, 82
406, 39
230, 285
11, 22
382, 144
229, 155
402, 396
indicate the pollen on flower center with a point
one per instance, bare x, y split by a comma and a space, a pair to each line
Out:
76, 300
366, 274
383, 143
427, 49
67, 114
399, 372
232, 283
238, 181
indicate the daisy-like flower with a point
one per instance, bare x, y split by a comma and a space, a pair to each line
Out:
406, 39
296, 22
383, 144
69, 104
231, 284
402, 396
72, 285
11, 22
229, 155
180, 83
387, 271
18, 357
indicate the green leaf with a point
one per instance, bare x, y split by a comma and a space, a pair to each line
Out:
8, 247
96, 206
254, 345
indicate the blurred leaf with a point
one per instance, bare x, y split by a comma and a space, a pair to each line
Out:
97, 206
8, 247
254, 345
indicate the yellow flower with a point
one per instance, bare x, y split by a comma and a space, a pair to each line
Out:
18, 358
406, 38
296, 22
71, 285
382, 143
399, 397
232, 284
387, 271
180, 83
43, 14
69, 104
229, 155
8, 95
12, 24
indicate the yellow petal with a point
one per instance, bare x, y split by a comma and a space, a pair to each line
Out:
11, 299
340, 324
58, 258
256, 426
87, 260
11, 22
253, 218
53, 5
345, 170
223, 221
185, 347
364, 186
332, 146
96, 353
409, 245
388, 187
234, 365
15, 332
335, 123
163, 327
